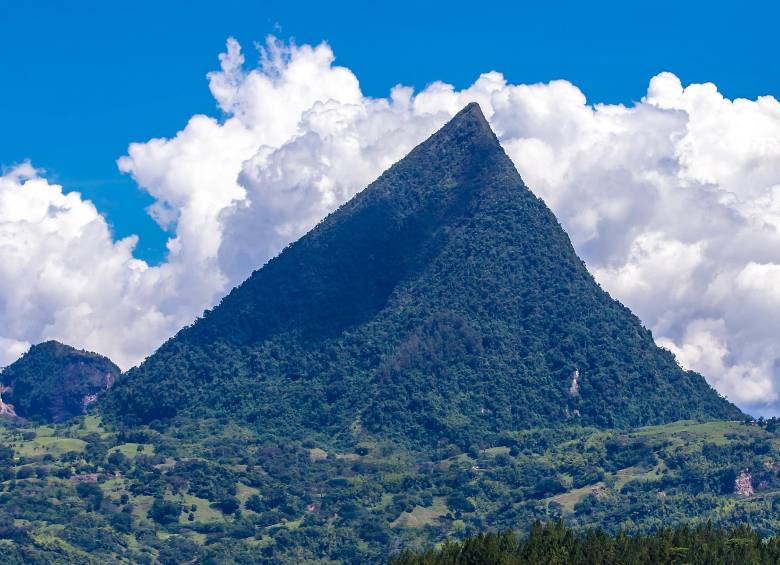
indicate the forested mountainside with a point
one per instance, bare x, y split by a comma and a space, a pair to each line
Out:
54, 382
444, 303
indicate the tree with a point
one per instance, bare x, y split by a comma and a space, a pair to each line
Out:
164, 511
255, 504
91, 494
228, 505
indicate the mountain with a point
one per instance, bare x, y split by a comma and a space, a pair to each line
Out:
430, 362
443, 303
54, 382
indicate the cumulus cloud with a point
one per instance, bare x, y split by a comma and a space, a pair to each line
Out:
62, 275
673, 202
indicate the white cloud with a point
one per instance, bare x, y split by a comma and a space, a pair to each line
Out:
11, 349
704, 347
674, 203
62, 276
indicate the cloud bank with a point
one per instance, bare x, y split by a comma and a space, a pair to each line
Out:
673, 202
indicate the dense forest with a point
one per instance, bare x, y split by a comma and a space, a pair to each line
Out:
554, 544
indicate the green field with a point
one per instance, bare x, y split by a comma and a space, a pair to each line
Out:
420, 516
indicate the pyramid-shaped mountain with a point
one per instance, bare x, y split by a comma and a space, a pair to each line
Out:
442, 303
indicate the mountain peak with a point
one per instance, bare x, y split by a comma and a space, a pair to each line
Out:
470, 117
464, 154
442, 303
472, 107
52, 344
466, 138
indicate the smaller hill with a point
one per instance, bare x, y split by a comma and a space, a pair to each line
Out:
54, 382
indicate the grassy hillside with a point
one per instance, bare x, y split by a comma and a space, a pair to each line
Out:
86, 491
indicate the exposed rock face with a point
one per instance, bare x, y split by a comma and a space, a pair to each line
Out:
54, 382
5, 408
574, 389
743, 484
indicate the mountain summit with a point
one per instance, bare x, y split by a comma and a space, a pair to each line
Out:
442, 303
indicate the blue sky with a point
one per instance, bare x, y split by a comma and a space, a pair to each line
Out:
82, 79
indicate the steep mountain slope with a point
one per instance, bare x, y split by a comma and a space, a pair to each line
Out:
444, 302
54, 382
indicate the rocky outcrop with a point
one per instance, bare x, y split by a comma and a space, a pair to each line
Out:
5, 408
574, 389
743, 484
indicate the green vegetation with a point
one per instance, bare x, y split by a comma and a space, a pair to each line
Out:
53, 382
225, 494
401, 376
554, 544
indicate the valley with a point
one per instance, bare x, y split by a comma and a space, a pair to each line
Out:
220, 490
